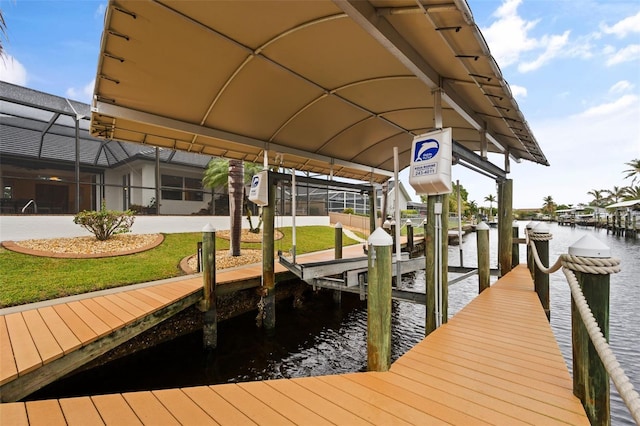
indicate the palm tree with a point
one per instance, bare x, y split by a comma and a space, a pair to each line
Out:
3, 34
634, 171
598, 198
232, 174
615, 194
632, 193
549, 205
491, 199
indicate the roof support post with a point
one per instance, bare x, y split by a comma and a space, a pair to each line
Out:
437, 107
507, 162
77, 166
157, 181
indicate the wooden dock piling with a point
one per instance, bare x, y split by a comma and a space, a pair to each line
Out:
210, 327
337, 294
379, 301
268, 271
515, 247
590, 378
505, 220
484, 271
540, 236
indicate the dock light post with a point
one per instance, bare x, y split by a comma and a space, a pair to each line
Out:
484, 271
590, 378
379, 301
208, 303
540, 236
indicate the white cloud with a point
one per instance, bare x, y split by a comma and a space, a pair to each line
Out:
99, 13
621, 86
518, 92
621, 29
84, 94
618, 106
507, 37
554, 46
626, 54
510, 41
12, 71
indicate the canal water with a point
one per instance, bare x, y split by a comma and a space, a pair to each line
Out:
321, 338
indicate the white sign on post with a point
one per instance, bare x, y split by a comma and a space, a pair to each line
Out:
431, 156
259, 192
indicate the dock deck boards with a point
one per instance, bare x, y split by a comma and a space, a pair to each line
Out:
495, 362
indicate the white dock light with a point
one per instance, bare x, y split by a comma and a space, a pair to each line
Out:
589, 246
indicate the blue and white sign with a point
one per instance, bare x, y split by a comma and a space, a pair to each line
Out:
431, 155
259, 191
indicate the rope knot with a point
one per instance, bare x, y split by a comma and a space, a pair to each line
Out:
591, 265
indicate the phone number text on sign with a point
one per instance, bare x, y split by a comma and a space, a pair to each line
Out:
425, 170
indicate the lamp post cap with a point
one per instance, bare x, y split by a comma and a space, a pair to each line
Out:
482, 226
541, 228
589, 246
380, 238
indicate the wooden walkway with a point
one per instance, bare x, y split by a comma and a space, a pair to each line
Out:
495, 362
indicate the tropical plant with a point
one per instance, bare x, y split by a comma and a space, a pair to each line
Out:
549, 205
616, 194
598, 197
3, 33
233, 174
491, 199
632, 193
105, 223
472, 208
634, 171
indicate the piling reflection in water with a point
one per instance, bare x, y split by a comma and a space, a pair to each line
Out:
321, 338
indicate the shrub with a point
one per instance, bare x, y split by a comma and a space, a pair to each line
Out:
105, 223
348, 210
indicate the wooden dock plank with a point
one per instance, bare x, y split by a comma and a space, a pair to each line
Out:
162, 299
114, 410
256, 410
80, 411
332, 412
143, 306
216, 407
47, 346
104, 314
24, 349
62, 333
286, 406
370, 412
80, 329
148, 300
372, 393
125, 316
183, 408
149, 409
8, 368
14, 414
123, 303
92, 320
46, 412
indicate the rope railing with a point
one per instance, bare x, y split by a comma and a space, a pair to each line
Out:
569, 264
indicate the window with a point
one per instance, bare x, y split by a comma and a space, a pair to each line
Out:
173, 188
168, 181
193, 189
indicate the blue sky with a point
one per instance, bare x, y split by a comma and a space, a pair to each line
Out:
573, 66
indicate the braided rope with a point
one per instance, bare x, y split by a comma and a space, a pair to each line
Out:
591, 265
540, 236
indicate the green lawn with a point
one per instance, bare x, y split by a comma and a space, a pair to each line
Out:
27, 279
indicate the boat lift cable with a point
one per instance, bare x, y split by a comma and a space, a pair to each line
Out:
590, 265
438, 268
